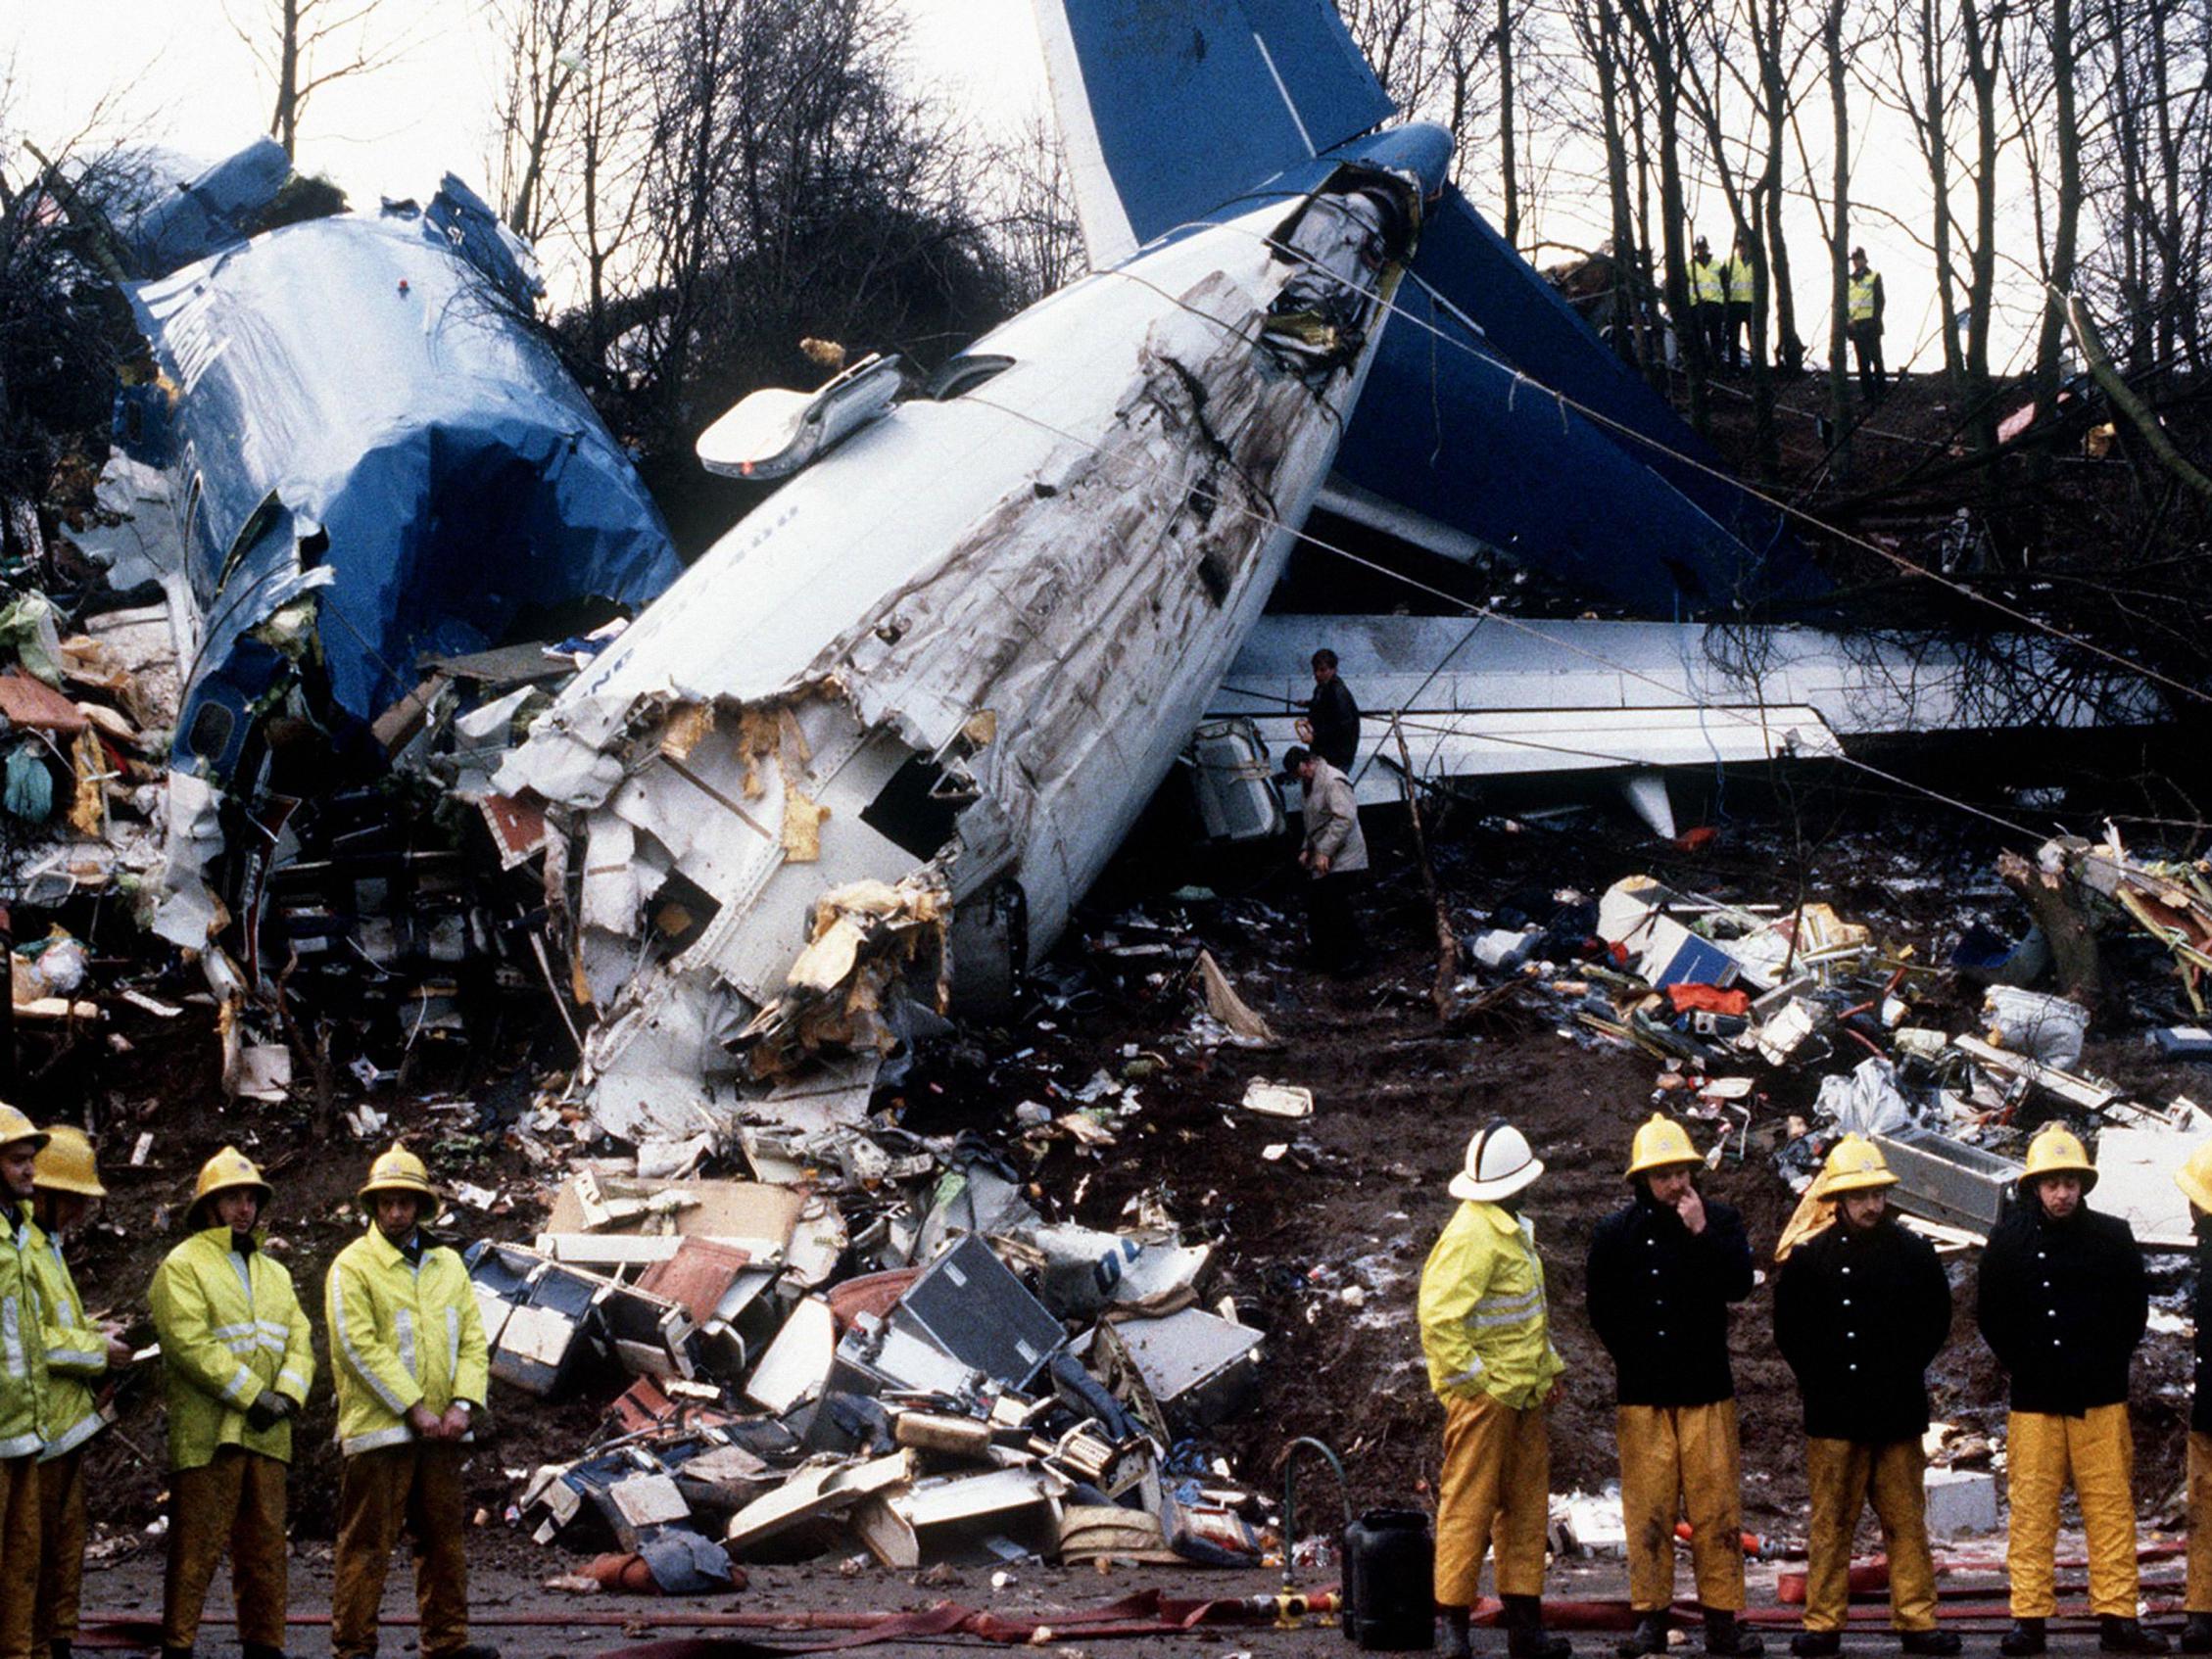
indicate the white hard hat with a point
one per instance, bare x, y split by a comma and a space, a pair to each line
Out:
1499, 1164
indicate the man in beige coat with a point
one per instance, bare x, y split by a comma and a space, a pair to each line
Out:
1334, 857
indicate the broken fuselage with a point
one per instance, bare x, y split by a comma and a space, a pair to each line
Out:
882, 737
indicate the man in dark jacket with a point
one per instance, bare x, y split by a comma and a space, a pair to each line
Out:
2064, 1304
2194, 1178
1332, 716
1660, 1276
1860, 1311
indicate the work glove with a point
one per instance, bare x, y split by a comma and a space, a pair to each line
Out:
268, 1410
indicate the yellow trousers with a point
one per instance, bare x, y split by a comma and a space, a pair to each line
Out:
2197, 1596
235, 1502
1682, 1460
416, 1486
19, 1554
1843, 1476
1495, 1496
2097, 1452
61, 1569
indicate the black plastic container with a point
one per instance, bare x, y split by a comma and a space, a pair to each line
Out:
1390, 1581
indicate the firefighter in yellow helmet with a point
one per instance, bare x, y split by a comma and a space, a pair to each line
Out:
236, 1363
409, 1358
22, 1383
1861, 1308
79, 1355
1485, 1331
1660, 1277
2194, 1178
2063, 1302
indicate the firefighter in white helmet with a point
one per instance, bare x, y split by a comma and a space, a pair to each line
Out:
2063, 1301
411, 1363
1486, 1333
236, 1362
1660, 1277
79, 1355
22, 1383
1861, 1308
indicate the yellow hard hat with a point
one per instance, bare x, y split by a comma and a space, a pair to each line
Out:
228, 1170
2058, 1151
399, 1171
15, 1126
2194, 1177
1854, 1165
1661, 1144
66, 1163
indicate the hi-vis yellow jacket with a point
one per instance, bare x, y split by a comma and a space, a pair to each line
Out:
230, 1327
402, 1335
77, 1353
1483, 1324
23, 1356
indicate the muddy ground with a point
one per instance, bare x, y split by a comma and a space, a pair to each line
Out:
1321, 1246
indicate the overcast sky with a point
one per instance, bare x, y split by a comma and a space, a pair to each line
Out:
175, 71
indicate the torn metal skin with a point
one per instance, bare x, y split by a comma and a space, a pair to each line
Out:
1023, 591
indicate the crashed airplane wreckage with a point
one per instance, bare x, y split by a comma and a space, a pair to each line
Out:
368, 491
854, 753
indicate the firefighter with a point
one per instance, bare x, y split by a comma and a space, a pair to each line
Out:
2194, 1178
79, 1357
1861, 1310
1486, 1335
22, 1383
236, 1365
1662, 1274
410, 1361
2063, 1302
1709, 301
1862, 321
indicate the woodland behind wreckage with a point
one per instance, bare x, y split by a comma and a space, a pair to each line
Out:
733, 193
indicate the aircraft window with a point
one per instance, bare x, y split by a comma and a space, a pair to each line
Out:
963, 375
211, 731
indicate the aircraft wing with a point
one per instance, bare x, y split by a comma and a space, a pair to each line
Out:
1493, 415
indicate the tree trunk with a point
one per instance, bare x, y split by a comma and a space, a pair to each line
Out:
1839, 235
284, 125
1508, 162
2067, 216
2065, 923
1982, 66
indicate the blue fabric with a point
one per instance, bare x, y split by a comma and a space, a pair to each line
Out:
364, 411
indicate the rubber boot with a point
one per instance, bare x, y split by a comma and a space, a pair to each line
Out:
470, 1650
1456, 1642
1649, 1636
1941, 1643
2026, 1637
2115, 1635
1817, 1644
1725, 1636
260, 1650
2196, 1635
1524, 1631
58, 1649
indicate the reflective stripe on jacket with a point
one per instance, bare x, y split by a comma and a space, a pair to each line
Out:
230, 1327
1483, 1322
1865, 297
1706, 286
402, 1335
23, 1356
1737, 274
77, 1353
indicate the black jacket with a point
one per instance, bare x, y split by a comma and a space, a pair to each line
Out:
1658, 1299
1860, 1316
2201, 1402
1335, 717
2062, 1305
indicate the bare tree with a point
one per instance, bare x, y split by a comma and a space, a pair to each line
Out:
305, 45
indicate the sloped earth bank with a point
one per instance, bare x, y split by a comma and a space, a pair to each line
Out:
1322, 1245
